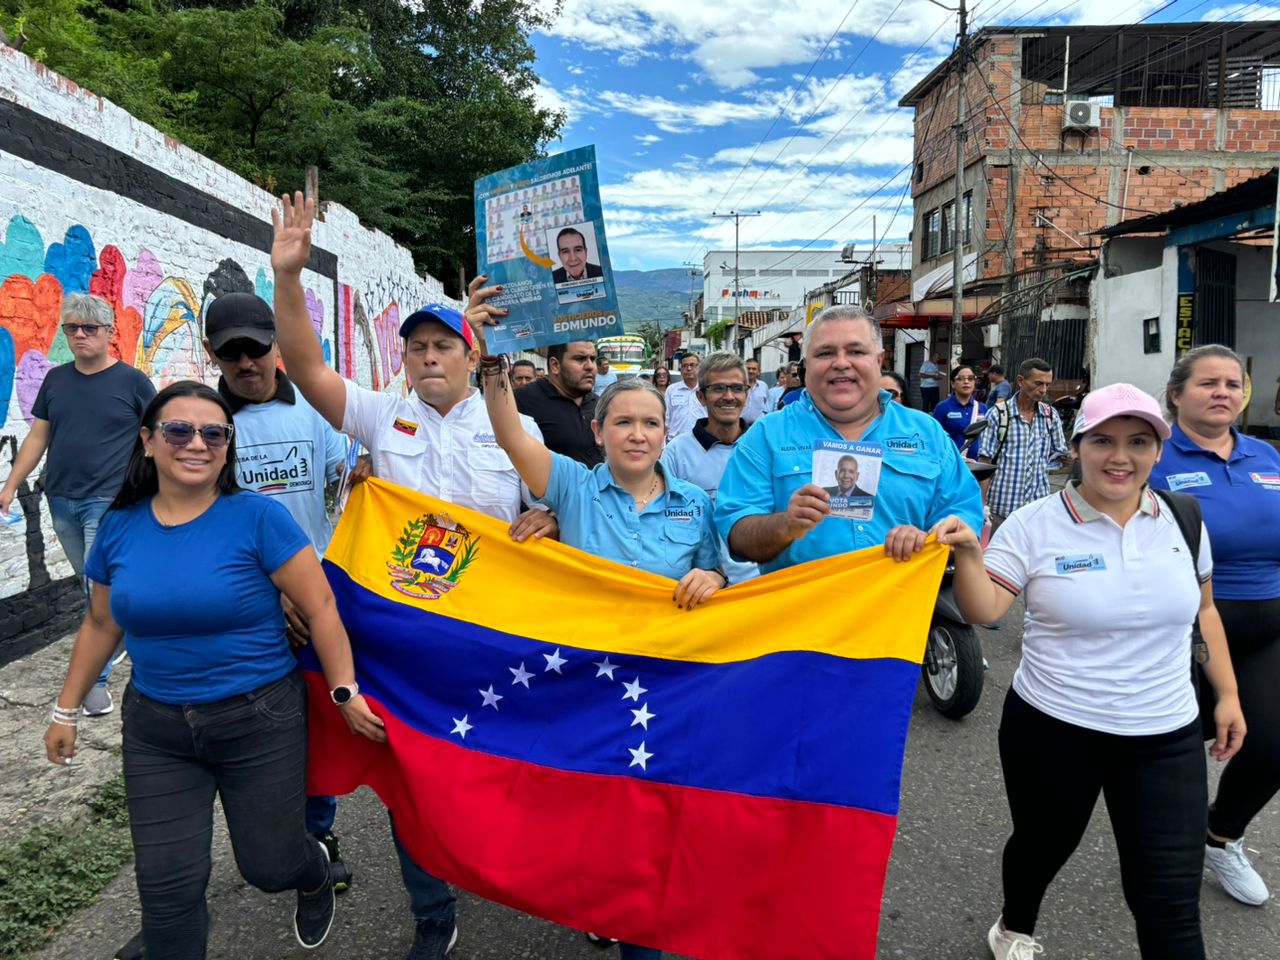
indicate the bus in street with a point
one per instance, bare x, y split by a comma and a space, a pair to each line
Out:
627, 354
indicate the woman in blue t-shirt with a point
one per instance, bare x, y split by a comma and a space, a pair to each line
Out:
189, 569
626, 509
1236, 478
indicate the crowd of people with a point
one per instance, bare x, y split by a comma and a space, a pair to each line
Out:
1131, 657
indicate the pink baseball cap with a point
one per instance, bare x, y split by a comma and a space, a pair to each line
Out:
1119, 400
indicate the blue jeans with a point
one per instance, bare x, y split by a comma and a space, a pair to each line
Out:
251, 750
630, 951
429, 896
75, 521
320, 814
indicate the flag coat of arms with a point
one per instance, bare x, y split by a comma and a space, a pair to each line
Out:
561, 738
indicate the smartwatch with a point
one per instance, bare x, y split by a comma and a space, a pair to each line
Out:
343, 694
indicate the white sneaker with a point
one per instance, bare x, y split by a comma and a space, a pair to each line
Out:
1007, 945
1236, 873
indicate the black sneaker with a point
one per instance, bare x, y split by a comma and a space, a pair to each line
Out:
133, 950
432, 940
341, 873
603, 943
314, 914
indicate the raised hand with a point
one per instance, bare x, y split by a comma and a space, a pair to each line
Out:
479, 312
291, 248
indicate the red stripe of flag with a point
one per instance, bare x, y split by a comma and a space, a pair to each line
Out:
706, 873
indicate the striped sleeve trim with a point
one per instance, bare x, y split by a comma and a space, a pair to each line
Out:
1000, 581
1205, 578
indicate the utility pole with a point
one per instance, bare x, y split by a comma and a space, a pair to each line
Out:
737, 222
957, 210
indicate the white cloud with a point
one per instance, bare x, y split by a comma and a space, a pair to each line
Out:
1243, 11
648, 137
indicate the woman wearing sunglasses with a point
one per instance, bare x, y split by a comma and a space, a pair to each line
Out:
189, 569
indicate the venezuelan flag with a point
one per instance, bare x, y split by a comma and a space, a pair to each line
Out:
721, 782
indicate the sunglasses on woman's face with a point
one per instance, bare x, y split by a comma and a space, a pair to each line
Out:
179, 433
896, 394
231, 350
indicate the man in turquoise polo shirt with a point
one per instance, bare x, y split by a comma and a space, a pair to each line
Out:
769, 509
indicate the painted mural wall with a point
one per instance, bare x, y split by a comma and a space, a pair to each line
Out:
93, 201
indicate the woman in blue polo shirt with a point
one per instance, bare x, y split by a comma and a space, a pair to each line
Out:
626, 509
1102, 702
189, 569
1236, 478
961, 409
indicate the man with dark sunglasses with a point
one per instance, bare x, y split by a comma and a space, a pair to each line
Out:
86, 416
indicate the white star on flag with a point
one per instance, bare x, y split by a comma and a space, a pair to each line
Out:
490, 698
639, 757
460, 727
521, 675
554, 661
642, 716
634, 690
605, 668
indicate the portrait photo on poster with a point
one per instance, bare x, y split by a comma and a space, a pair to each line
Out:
578, 275
850, 474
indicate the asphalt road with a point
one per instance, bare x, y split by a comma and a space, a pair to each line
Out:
942, 894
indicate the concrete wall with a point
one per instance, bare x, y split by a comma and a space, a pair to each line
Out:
92, 200
1120, 303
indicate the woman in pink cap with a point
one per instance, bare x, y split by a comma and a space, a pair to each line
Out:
1102, 701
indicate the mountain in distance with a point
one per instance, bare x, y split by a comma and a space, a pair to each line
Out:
653, 295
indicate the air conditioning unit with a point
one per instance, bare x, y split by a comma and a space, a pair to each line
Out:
1082, 115
991, 335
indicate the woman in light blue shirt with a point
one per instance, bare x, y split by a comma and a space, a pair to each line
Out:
626, 509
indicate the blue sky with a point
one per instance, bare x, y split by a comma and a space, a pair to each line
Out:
784, 106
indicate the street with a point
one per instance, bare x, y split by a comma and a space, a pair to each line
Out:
942, 893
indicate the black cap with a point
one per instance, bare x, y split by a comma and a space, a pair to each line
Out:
236, 316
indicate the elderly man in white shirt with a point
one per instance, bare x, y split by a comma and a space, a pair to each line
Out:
757, 394
437, 440
684, 409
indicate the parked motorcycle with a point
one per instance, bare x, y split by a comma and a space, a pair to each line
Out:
954, 668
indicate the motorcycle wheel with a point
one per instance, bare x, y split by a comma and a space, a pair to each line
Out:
953, 672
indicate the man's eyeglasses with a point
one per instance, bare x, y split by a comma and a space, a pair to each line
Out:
88, 329
232, 349
720, 389
179, 433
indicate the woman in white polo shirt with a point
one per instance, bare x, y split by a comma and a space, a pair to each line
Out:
1102, 702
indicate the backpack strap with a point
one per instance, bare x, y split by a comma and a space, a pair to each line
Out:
1186, 511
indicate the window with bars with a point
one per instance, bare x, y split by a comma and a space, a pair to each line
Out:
932, 229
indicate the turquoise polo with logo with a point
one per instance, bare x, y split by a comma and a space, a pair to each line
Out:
922, 478
1240, 500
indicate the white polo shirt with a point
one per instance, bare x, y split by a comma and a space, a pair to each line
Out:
684, 409
1107, 636
757, 402
455, 457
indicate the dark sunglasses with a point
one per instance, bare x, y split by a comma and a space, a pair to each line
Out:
179, 433
232, 349
88, 329
896, 394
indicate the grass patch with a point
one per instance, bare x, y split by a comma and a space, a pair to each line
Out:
54, 870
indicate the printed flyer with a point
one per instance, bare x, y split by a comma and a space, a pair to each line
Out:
850, 473
540, 236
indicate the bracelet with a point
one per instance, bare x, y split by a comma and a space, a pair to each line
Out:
64, 717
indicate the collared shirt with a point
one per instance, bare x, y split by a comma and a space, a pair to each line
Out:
683, 408
999, 391
1023, 457
565, 425
1240, 498
757, 402
700, 457
923, 478
669, 537
956, 417
286, 451
455, 457
603, 381
775, 395
930, 374
1107, 637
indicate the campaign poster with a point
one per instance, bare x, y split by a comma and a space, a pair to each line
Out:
850, 473
540, 236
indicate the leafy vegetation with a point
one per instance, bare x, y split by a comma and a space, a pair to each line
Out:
54, 870
400, 106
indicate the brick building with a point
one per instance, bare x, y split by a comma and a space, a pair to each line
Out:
1069, 130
